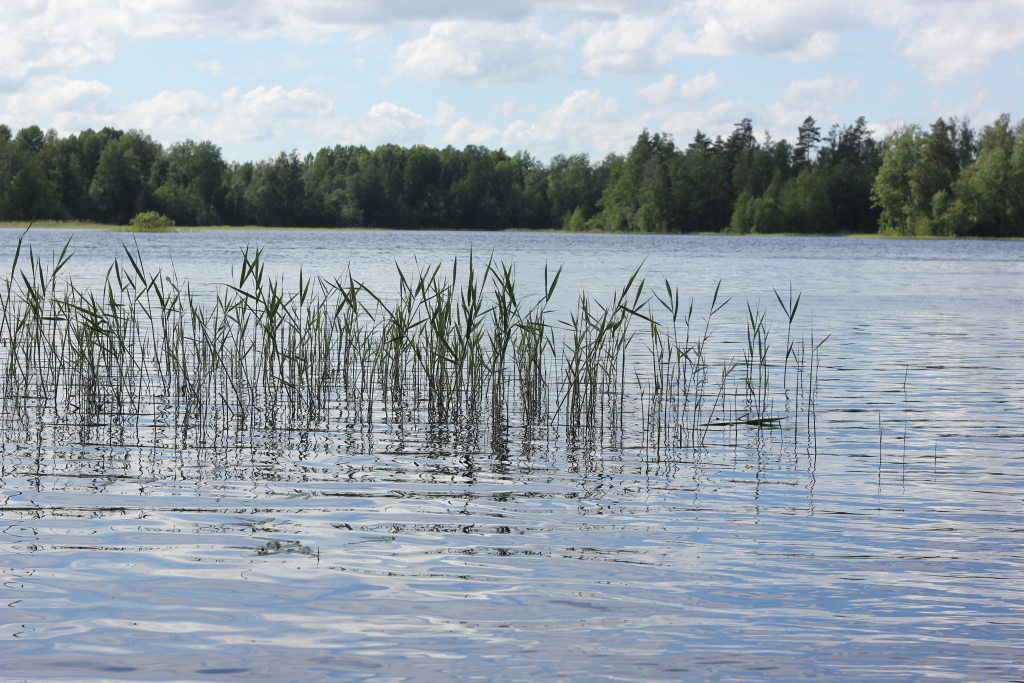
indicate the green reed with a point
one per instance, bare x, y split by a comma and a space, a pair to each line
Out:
462, 350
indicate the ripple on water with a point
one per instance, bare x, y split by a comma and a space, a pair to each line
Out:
758, 559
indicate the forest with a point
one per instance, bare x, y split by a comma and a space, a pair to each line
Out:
944, 180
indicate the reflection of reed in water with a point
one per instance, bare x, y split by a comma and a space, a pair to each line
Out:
145, 360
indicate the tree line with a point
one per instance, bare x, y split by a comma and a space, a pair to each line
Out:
948, 180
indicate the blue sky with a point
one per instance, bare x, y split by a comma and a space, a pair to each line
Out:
548, 76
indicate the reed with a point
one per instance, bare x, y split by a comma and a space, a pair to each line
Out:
461, 351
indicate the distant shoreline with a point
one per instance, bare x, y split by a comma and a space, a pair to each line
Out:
21, 225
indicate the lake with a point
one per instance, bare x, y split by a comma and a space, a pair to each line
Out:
879, 540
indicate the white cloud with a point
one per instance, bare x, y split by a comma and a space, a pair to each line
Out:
55, 93
786, 118
478, 52
585, 119
827, 89
623, 47
200, 18
949, 40
348, 13
718, 119
46, 37
46, 44
973, 106
614, 8
799, 30
261, 112
169, 115
669, 89
464, 132
490, 42
307, 20
813, 97
276, 102
505, 107
389, 122
320, 16
56, 96
385, 122
39, 38
213, 66
946, 39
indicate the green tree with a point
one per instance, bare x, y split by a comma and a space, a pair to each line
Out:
848, 163
808, 137
936, 168
26, 192
805, 203
703, 200
573, 183
753, 215
740, 144
638, 197
30, 140
761, 166
275, 194
330, 186
120, 186
988, 198
524, 192
421, 189
189, 181
891, 191
914, 185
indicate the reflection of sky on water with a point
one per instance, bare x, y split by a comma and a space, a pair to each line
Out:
757, 560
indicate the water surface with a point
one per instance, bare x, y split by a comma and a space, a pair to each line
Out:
886, 548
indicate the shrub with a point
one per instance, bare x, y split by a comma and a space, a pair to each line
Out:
151, 221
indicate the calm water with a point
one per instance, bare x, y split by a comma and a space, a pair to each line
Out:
889, 549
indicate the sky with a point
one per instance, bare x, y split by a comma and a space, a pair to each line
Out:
258, 77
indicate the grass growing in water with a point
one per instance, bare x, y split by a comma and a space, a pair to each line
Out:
461, 351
